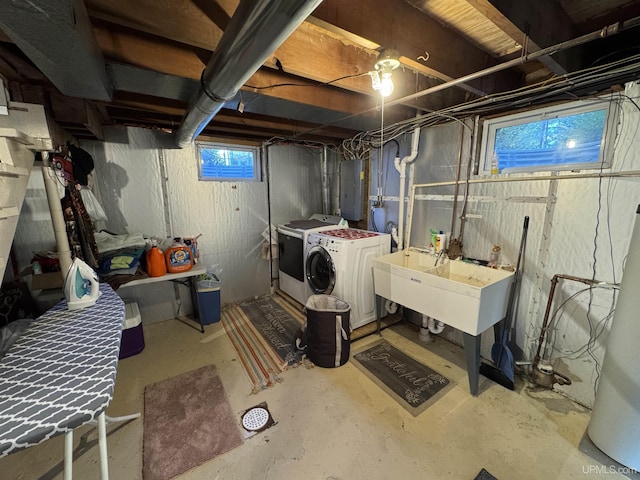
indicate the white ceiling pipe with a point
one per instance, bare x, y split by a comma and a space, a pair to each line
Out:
256, 30
401, 167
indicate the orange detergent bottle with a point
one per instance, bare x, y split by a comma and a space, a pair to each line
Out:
179, 258
156, 266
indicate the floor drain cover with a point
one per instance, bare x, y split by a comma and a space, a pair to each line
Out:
255, 419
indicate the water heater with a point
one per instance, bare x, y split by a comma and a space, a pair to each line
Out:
615, 420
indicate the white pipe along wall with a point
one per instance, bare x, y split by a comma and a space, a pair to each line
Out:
401, 168
579, 227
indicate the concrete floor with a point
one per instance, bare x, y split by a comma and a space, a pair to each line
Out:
336, 424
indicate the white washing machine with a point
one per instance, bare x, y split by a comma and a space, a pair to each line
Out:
292, 241
339, 262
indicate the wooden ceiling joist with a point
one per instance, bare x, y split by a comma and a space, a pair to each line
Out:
444, 53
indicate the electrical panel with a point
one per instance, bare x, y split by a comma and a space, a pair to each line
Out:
351, 189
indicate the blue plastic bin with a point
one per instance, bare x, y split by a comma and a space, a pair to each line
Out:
209, 301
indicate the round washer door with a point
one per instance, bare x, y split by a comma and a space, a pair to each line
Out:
321, 272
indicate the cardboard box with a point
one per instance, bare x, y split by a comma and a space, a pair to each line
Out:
46, 281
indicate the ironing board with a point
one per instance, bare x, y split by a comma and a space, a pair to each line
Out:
60, 374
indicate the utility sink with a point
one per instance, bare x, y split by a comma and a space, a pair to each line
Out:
464, 295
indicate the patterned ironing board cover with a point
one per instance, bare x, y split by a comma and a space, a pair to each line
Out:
61, 372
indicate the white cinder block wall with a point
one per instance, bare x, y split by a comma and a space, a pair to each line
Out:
589, 224
148, 186
229, 216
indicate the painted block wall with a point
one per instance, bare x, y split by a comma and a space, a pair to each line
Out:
579, 227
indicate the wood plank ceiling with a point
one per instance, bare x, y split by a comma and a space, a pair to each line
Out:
315, 86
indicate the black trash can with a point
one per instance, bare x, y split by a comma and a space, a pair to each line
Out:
328, 331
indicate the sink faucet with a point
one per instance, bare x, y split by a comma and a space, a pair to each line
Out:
439, 256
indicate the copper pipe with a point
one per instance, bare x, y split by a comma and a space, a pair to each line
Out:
554, 282
457, 187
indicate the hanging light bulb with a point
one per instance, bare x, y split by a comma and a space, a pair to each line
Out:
381, 78
386, 84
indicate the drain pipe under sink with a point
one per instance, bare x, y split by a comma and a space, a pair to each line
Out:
430, 326
401, 167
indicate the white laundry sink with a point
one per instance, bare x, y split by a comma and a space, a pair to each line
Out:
466, 296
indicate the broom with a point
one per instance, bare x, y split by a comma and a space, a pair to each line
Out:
503, 371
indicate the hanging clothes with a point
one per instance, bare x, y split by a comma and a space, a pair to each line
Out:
79, 227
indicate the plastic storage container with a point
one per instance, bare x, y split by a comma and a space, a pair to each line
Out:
209, 301
132, 341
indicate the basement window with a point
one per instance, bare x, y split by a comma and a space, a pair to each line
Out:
572, 136
228, 162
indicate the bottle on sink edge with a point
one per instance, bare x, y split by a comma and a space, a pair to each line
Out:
441, 242
494, 257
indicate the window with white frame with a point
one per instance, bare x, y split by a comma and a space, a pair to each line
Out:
228, 162
571, 136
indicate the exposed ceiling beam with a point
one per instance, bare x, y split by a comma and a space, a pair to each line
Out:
78, 111
303, 54
127, 78
145, 52
146, 82
448, 54
19, 68
214, 12
226, 121
543, 21
58, 38
630, 10
181, 22
488, 10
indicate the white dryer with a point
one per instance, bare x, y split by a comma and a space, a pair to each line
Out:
292, 241
339, 262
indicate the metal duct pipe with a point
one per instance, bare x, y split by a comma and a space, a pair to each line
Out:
256, 30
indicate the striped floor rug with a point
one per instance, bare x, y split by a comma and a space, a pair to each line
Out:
260, 360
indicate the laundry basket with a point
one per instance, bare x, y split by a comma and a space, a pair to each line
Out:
328, 331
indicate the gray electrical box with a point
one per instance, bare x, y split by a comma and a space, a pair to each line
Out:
351, 188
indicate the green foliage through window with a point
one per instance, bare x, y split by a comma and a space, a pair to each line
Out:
569, 136
228, 162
